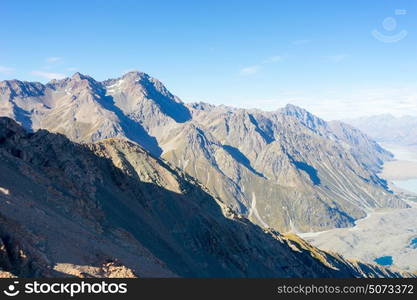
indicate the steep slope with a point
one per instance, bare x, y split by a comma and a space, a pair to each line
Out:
111, 209
76, 107
303, 173
287, 170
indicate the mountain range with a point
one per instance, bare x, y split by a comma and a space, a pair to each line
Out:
389, 129
111, 209
287, 170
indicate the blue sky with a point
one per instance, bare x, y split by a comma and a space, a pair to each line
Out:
335, 58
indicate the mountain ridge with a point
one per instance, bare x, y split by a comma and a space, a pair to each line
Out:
276, 167
111, 209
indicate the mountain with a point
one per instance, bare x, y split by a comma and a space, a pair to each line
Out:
389, 129
287, 170
111, 209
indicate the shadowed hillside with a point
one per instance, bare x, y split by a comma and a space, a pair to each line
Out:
111, 209
286, 169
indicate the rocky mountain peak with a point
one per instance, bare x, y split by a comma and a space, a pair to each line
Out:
84, 83
241, 155
139, 94
148, 84
305, 117
294, 110
78, 77
202, 106
77, 82
135, 75
17, 88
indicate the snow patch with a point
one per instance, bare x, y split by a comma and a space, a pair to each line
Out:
116, 86
253, 211
4, 191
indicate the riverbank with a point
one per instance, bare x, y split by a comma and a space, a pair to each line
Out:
388, 236
386, 233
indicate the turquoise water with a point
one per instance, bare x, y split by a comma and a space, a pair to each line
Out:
413, 243
384, 260
409, 185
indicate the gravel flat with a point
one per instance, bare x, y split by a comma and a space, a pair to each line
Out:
382, 233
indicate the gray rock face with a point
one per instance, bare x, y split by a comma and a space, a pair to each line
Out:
287, 170
389, 129
110, 209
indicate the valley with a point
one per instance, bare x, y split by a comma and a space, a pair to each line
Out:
110, 209
403, 170
385, 236
217, 140
193, 185
284, 169
383, 233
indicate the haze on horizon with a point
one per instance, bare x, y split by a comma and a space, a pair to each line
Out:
338, 60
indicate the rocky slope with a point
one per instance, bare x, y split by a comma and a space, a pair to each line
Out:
110, 209
287, 170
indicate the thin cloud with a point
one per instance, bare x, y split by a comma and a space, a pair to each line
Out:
6, 70
273, 59
256, 68
250, 70
53, 59
48, 75
130, 70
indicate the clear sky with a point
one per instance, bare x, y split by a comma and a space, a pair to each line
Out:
338, 59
